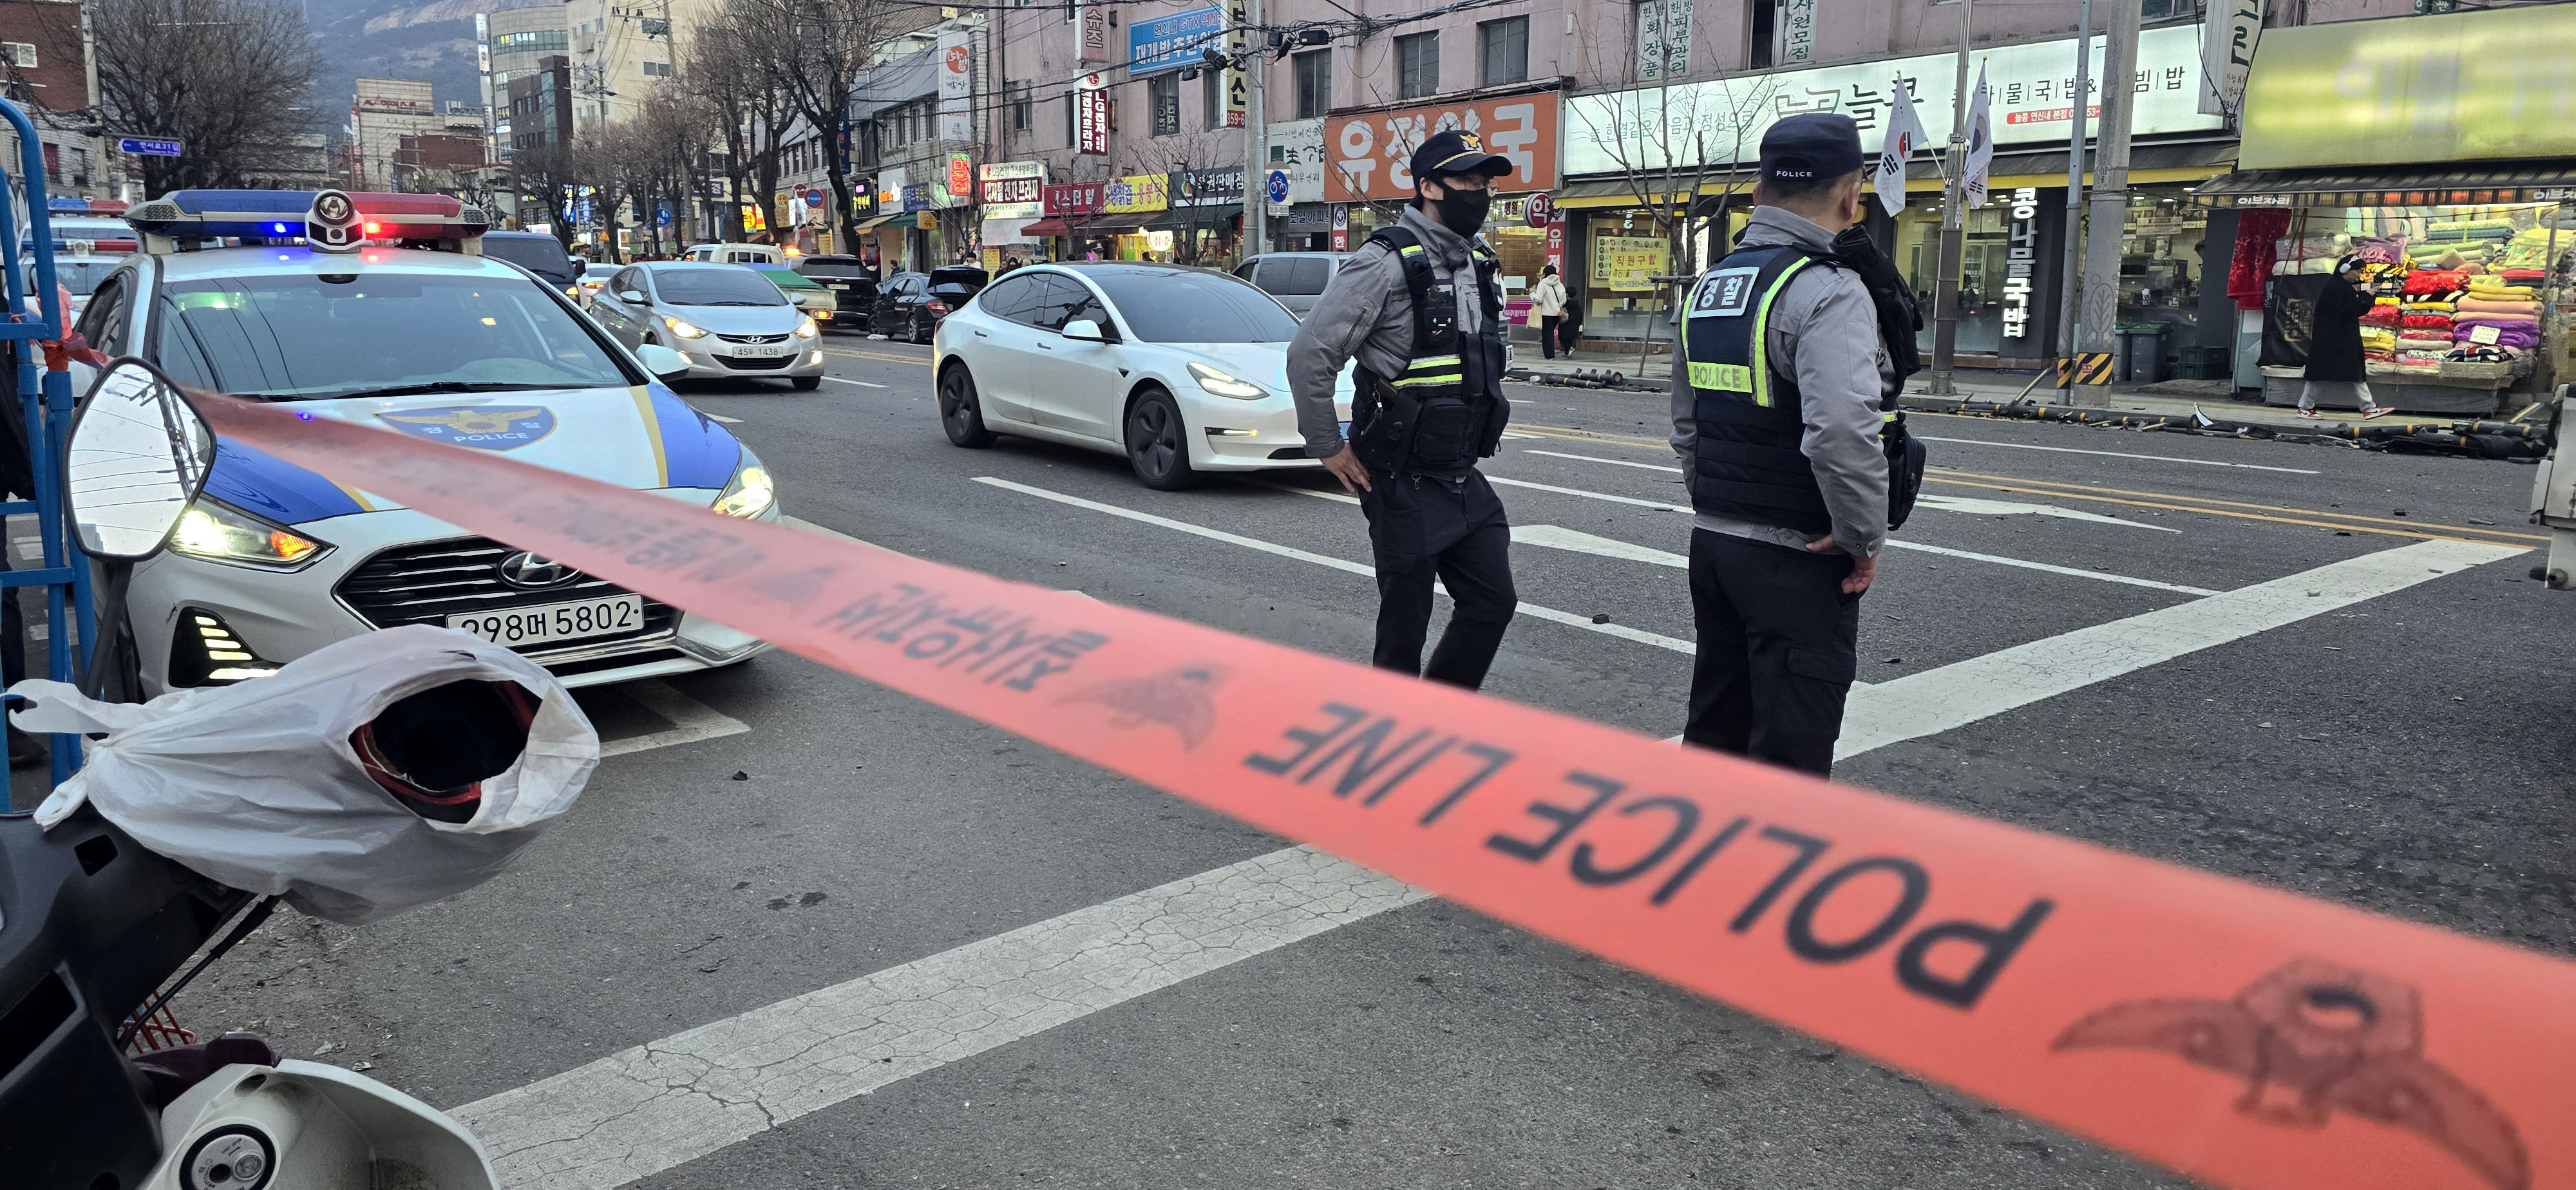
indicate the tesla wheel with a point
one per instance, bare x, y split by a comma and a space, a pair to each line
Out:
959, 412
1158, 443
805, 383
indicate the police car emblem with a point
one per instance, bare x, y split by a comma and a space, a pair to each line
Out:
504, 428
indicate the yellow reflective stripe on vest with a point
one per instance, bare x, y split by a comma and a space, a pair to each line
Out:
1733, 378
1441, 378
1761, 387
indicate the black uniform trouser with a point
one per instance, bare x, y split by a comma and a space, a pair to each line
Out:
1419, 530
1777, 641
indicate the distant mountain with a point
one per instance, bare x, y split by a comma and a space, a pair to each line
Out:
415, 39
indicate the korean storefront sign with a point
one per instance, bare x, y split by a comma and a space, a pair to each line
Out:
1208, 187
1663, 38
890, 186
2021, 261
1722, 120
1014, 189
2468, 86
1623, 263
956, 87
1073, 199
1370, 156
2232, 30
1095, 31
1135, 194
1797, 30
1091, 117
1298, 147
1238, 40
961, 176
1173, 42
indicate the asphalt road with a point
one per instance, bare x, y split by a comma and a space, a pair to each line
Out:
778, 828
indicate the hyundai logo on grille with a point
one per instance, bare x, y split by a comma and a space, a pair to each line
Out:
753, 338
524, 569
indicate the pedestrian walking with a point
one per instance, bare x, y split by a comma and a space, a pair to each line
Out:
1419, 307
1547, 304
2335, 368
1783, 424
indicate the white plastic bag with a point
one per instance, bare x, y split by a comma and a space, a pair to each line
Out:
255, 785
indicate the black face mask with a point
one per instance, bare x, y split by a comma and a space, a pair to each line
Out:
1463, 211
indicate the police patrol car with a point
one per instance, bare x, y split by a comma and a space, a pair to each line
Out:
379, 309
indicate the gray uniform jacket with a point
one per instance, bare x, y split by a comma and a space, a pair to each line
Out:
1367, 313
1824, 335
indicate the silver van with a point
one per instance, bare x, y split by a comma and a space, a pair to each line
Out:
1295, 278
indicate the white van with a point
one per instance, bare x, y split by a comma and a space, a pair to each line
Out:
736, 254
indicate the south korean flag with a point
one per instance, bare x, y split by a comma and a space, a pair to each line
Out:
1904, 134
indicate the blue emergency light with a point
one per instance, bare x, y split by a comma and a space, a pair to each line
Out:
270, 215
77, 206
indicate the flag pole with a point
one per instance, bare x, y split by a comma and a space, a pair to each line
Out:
1945, 295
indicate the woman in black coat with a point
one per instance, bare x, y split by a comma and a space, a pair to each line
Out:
2335, 368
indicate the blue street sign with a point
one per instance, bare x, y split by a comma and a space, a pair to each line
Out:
813, 198
145, 146
1278, 185
662, 215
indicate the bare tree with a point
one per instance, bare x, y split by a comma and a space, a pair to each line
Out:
747, 106
231, 80
1175, 157
814, 52
547, 178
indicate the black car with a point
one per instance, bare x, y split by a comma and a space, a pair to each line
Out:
536, 252
852, 282
910, 305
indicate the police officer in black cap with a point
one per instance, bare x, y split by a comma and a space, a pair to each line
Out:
1794, 349
1418, 306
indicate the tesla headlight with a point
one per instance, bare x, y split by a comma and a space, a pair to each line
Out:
219, 532
1226, 386
685, 330
805, 328
749, 495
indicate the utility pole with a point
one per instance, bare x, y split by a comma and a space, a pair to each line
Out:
2070, 306
1954, 226
2110, 190
1256, 135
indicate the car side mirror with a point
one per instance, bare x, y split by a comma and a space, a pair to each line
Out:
665, 364
1084, 330
138, 456
630, 296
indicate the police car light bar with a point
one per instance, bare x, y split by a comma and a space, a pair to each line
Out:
350, 222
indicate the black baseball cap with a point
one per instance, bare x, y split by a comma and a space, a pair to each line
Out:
1453, 152
1815, 145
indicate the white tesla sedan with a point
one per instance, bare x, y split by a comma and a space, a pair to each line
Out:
1182, 370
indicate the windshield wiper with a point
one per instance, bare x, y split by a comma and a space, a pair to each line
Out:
734, 303
439, 386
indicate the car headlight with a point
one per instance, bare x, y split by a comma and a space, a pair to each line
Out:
685, 330
1226, 386
749, 494
806, 329
219, 532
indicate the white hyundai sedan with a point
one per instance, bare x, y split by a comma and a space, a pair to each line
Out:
1182, 370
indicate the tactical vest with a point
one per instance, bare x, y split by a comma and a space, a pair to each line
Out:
1446, 408
1747, 465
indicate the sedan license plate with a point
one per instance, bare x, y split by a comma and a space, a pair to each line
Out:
555, 621
761, 350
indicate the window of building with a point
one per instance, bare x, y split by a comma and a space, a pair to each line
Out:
662, 70
1164, 90
1502, 52
1023, 110
1314, 84
1763, 39
22, 54
1072, 116
1417, 65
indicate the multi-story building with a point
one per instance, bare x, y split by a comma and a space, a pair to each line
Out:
382, 112
511, 43
622, 49
540, 104
899, 141
46, 70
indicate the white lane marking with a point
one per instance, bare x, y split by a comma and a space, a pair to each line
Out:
671, 1101
1892, 543
2069, 450
1944, 503
1526, 608
860, 383
1976, 507
1578, 541
1509, 436
731, 421
691, 720
646, 1109
1938, 700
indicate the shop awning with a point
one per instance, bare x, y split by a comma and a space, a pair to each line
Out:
879, 221
2149, 163
1101, 225
2437, 184
1196, 218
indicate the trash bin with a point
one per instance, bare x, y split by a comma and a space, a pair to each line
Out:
2142, 354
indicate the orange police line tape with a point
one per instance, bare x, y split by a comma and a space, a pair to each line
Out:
2239, 1034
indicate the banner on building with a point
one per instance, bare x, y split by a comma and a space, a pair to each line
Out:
2021, 262
956, 87
1136, 194
1073, 199
1663, 39
1174, 42
1014, 190
1095, 31
1238, 42
961, 176
2227, 54
1091, 117
1370, 156
1208, 187
1297, 147
1797, 30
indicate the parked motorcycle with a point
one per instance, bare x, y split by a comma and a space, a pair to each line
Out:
374, 775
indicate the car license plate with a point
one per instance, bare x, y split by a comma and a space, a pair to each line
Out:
762, 350
555, 621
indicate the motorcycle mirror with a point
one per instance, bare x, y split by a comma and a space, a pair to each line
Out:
139, 453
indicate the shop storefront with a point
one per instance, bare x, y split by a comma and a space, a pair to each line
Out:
2403, 143
1012, 196
1205, 216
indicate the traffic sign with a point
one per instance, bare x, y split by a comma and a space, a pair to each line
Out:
662, 215
1542, 210
813, 198
1277, 185
147, 146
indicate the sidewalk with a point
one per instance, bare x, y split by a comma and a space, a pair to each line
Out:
2168, 398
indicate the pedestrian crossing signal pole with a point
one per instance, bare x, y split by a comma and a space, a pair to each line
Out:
1954, 228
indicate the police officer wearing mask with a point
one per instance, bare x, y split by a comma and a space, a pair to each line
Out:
1418, 306
1787, 430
